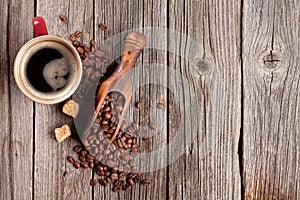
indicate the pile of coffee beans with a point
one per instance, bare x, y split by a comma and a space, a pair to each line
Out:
110, 155
112, 161
82, 48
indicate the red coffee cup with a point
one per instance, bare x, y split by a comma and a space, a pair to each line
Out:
62, 73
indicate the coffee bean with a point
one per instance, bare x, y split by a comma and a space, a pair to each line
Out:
106, 109
90, 160
103, 26
106, 152
93, 43
107, 173
94, 150
117, 189
152, 126
111, 163
93, 182
126, 187
146, 182
80, 50
134, 141
129, 141
70, 159
78, 34
91, 165
136, 179
139, 174
82, 45
82, 158
100, 173
135, 126
72, 37
160, 106
84, 165
123, 174
76, 164
86, 49
131, 175
104, 122
130, 181
107, 115
114, 176
77, 148
117, 183
89, 156
119, 108
110, 157
92, 138
138, 105
113, 170
130, 130
103, 182
84, 153
63, 18
108, 180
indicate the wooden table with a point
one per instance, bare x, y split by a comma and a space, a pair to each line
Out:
253, 46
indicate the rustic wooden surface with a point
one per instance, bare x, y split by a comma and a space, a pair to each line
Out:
271, 159
246, 86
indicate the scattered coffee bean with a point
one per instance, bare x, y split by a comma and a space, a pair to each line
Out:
130, 181
138, 105
103, 182
82, 158
93, 182
70, 159
161, 106
117, 189
126, 187
78, 34
63, 18
152, 126
77, 148
103, 26
72, 37
84, 165
146, 182
76, 164
91, 165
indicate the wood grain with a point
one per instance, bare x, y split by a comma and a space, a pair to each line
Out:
54, 177
5, 180
17, 111
209, 168
271, 99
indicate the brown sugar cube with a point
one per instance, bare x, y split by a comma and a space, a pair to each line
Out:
71, 108
62, 133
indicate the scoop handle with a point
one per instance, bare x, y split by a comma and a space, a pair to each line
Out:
133, 46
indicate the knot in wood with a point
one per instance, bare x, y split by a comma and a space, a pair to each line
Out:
272, 59
203, 67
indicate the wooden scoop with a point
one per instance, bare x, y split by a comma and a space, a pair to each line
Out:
120, 80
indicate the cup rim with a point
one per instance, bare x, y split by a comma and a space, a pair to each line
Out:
29, 90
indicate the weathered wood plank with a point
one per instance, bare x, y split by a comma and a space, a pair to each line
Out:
271, 138
54, 177
209, 168
5, 180
19, 112
122, 16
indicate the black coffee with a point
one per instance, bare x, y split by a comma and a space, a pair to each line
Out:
36, 65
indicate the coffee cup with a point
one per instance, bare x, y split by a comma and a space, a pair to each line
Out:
47, 69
